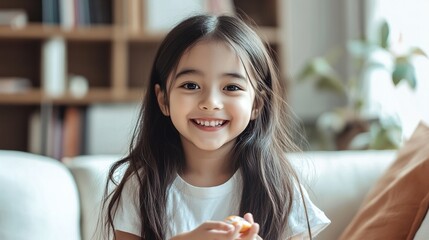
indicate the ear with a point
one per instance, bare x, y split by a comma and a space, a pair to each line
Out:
256, 110
161, 100
255, 113
257, 107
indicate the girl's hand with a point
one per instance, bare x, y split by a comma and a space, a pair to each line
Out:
212, 230
252, 233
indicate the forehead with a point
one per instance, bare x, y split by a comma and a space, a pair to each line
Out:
211, 56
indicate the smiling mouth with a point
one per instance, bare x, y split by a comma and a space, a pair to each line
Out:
209, 123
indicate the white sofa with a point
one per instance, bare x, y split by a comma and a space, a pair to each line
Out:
43, 199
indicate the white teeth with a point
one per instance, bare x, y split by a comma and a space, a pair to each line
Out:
206, 123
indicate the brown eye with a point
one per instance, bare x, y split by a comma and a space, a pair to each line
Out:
232, 88
190, 86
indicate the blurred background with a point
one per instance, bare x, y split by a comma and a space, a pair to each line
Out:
73, 72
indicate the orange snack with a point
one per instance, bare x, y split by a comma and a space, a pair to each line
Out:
235, 220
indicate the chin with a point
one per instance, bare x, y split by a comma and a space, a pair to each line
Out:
209, 148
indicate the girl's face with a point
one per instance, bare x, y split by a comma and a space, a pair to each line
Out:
210, 98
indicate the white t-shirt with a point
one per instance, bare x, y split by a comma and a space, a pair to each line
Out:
189, 206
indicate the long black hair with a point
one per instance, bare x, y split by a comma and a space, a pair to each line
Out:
156, 153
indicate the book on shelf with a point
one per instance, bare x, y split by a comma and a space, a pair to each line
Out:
100, 11
67, 14
14, 84
56, 137
74, 13
35, 137
83, 12
64, 132
51, 131
15, 18
50, 11
73, 126
57, 131
162, 15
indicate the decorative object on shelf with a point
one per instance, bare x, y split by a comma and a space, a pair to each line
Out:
14, 84
15, 18
78, 85
54, 68
349, 127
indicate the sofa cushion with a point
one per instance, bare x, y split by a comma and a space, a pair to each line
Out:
337, 181
38, 199
90, 173
397, 204
423, 232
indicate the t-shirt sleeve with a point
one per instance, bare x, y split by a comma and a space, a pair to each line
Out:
297, 221
127, 218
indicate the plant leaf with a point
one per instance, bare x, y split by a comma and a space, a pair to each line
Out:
376, 65
418, 51
404, 70
380, 139
361, 49
322, 66
315, 68
330, 83
306, 72
384, 35
320, 71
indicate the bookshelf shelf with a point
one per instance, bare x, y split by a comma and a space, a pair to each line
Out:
93, 33
137, 37
109, 52
101, 95
41, 31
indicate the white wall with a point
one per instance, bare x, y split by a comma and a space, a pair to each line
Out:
312, 28
408, 105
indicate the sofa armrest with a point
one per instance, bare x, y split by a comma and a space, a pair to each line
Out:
38, 198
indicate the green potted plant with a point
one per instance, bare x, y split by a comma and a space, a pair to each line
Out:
348, 128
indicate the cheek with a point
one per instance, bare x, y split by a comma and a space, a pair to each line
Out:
242, 108
180, 101
179, 106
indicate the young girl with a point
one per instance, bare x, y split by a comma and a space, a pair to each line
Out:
211, 143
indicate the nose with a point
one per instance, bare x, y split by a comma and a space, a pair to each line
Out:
211, 100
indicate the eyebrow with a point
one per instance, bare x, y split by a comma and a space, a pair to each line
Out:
190, 71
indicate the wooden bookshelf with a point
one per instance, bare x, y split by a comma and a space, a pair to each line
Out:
42, 31
106, 95
115, 60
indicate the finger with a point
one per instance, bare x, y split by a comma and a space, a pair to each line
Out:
217, 225
222, 235
255, 228
249, 217
252, 233
236, 232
